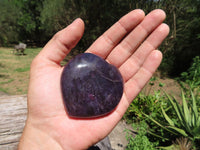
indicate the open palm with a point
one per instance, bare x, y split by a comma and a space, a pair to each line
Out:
130, 45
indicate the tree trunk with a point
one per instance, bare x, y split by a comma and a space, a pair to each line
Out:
174, 17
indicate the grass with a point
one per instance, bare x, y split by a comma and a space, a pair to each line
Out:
22, 69
14, 70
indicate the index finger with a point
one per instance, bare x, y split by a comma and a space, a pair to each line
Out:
105, 43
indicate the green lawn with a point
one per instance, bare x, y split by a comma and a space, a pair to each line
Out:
14, 70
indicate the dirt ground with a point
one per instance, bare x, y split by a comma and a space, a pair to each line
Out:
170, 86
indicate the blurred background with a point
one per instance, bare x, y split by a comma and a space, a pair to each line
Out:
35, 22
160, 121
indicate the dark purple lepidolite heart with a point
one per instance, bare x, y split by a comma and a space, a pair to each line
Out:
91, 87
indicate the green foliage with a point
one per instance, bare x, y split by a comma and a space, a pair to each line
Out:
188, 124
35, 22
140, 141
29, 22
8, 22
149, 105
186, 41
53, 16
192, 76
182, 43
167, 119
144, 105
161, 84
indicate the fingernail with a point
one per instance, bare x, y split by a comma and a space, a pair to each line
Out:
76, 20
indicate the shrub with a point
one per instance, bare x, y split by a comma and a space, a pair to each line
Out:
150, 105
188, 124
144, 104
140, 141
192, 76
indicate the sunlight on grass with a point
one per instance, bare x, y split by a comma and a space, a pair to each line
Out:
14, 70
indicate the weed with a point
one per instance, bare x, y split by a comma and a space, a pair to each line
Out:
9, 81
140, 141
161, 84
144, 105
22, 69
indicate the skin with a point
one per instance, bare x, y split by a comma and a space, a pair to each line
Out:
130, 44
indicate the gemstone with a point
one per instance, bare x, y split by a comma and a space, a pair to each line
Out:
90, 86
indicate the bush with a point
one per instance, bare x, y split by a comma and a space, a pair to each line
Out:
188, 124
150, 106
166, 118
140, 141
144, 104
192, 76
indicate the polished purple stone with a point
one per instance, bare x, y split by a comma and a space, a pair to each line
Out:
91, 87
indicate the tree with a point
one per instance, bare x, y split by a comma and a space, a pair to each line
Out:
8, 23
187, 40
52, 16
37, 21
28, 22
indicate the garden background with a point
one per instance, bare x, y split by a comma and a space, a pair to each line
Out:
172, 121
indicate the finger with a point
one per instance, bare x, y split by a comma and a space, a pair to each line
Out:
128, 46
134, 62
62, 42
105, 43
134, 85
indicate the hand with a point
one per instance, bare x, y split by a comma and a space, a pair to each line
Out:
130, 45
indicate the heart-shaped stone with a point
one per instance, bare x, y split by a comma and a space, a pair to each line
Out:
91, 87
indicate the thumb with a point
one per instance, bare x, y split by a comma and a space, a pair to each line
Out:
62, 42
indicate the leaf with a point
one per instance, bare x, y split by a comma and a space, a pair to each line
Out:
159, 124
181, 131
167, 117
174, 106
187, 114
193, 119
198, 121
177, 108
181, 113
194, 106
171, 147
156, 135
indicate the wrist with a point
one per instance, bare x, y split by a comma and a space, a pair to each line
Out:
34, 139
